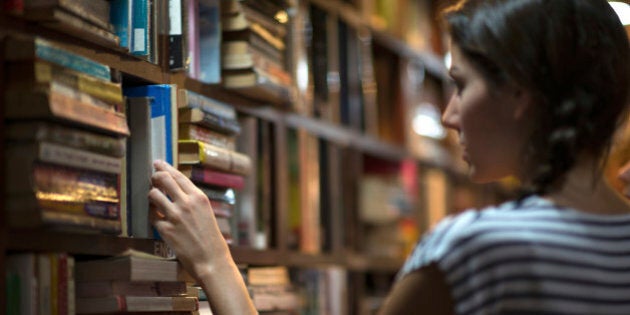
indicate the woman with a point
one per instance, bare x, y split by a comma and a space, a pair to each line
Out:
541, 86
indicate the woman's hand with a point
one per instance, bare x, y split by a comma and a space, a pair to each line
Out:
183, 216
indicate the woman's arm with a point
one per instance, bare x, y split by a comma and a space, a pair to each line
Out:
182, 214
423, 291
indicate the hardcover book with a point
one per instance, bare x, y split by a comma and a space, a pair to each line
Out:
207, 155
121, 303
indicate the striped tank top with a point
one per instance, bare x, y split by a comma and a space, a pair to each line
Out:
532, 258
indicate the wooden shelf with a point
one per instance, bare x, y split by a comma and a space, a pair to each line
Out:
349, 14
81, 244
113, 57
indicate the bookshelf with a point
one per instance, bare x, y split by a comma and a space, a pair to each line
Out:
345, 149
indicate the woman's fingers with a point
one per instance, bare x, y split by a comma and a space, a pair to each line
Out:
184, 182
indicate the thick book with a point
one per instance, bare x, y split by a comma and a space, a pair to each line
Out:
140, 28
139, 166
209, 41
41, 131
58, 105
93, 11
66, 22
62, 155
120, 18
176, 42
36, 216
71, 184
211, 177
190, 99
121, 303
257, 85
91, 289
207, 155
190, 131
128, 267
163, 119
218, 123
25, 48
41, 73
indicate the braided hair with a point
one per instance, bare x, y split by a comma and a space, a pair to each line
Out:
572, 55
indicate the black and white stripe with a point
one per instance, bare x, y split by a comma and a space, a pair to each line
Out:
531, 259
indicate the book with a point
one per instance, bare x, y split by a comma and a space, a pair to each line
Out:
140, 28
21, 273
120, 18
255, 84
41, 131
25, 48
211, 177
245, 206
90, 289
176, 42
130, 266
211, 121
121, 303
190, 99
57, 105
207, 155
42, 73
140, 166
190, 131
209, 41
63, 182
62, 155
93, 11
20, 214
163, 121
66, 22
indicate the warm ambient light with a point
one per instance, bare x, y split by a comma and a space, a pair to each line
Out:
623, 11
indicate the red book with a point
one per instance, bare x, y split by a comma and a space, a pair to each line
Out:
211, 177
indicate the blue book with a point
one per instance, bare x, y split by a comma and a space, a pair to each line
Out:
120, 18
140, 28
163, 108
20, 48
163, 119
209, 41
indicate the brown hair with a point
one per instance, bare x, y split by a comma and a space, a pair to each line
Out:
572, 55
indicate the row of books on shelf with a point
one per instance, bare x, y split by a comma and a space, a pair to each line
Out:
135, 282
237, 44
80, 146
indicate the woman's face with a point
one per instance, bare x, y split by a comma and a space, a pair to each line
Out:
491, 124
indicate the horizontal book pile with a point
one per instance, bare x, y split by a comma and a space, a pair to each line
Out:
134, 283
65, 139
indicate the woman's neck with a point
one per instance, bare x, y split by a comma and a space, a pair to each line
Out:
586, 190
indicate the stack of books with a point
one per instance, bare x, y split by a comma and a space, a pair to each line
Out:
134, 282
207, 153
65, 139
272, 291
254, 50
88, 19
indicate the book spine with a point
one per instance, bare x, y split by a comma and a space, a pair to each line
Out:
195, 132
93, 11
33, 218
175, 36
54, 179
212, 178
219, 158
120, 17
62, 283
43, 105
217, 123
163, 125
49, 52
189, 99
209, 42
140, 28
75, 138
59, 154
